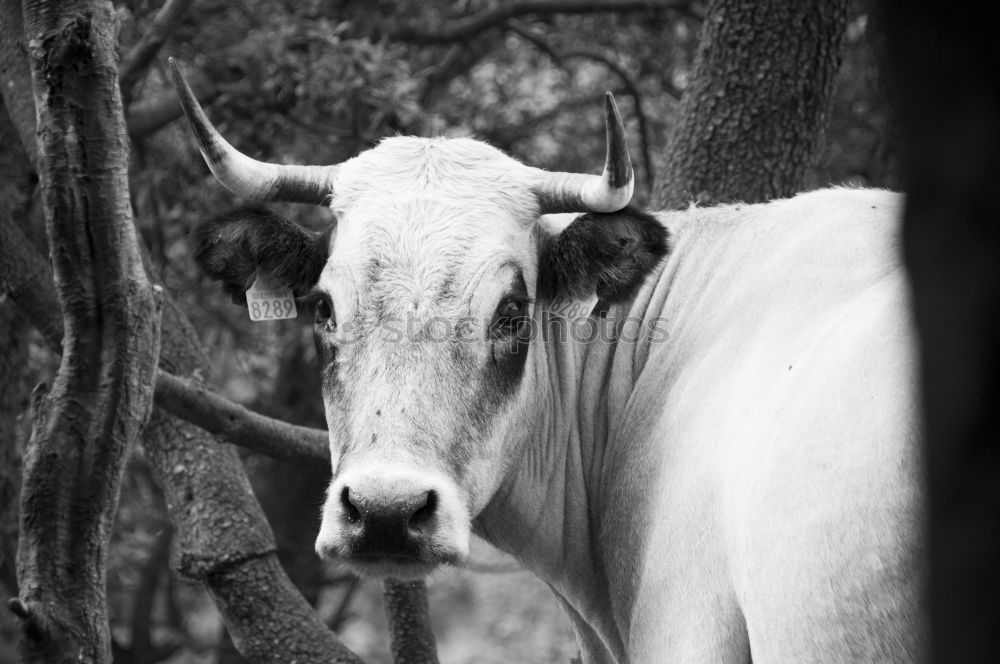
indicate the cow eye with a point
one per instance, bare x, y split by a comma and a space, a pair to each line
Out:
324, 312
510, 315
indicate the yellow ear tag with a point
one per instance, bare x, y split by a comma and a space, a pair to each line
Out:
270, 302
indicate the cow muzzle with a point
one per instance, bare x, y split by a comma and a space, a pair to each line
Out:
394, 522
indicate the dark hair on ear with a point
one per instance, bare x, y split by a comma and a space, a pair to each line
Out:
608, 252
241, 245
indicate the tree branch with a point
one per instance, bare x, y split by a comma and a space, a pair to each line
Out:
16, 186
411, 638
141, 650
470, 26
25, 275
15, 76
26, 278
150, 115
558, 57
134, 64
232, 423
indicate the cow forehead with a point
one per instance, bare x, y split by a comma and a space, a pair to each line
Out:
418, 254
459, 169
419, 216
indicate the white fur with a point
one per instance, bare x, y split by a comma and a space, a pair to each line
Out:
749, 487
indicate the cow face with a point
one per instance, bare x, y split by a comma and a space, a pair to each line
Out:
423, 295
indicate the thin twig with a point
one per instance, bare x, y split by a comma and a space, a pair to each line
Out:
559, 58
134, 64
468, 27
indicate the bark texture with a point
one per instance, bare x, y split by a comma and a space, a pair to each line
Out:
224, 539
233, 423
16, 185
942, 68
15, 77
753, 116
15, 190
222, 534
85, 425
410, 636
13, 392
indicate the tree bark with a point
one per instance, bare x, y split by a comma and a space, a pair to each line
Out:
942, 68
235, 424
16, 185
15, 77
224, 540
411, 638
223, 537
752, 119
86, 425
13, 390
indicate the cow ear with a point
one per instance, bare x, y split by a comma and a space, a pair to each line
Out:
610, 253
247, 243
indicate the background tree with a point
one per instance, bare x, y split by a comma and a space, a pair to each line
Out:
316, 82
86, 425
755, 115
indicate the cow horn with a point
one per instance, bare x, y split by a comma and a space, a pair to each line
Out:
243, 175
608, 192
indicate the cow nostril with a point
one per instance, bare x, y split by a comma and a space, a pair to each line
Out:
426, 511
350, 511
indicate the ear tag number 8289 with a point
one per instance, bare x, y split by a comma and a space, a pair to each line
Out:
266, 301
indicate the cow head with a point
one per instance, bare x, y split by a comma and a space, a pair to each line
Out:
423, 295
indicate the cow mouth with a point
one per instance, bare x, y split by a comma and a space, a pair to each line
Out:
402, 567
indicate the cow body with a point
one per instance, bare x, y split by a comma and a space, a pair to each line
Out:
749, 483
718, 463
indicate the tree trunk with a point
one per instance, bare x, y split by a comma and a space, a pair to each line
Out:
753, 116
223, 539
943, 74
16, 185
102, 394
13, 390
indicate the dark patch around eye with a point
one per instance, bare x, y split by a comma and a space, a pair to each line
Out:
326, 352
502, 373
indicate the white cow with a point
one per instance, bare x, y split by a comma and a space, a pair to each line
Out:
722, 464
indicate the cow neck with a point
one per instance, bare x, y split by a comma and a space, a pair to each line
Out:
547, 513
